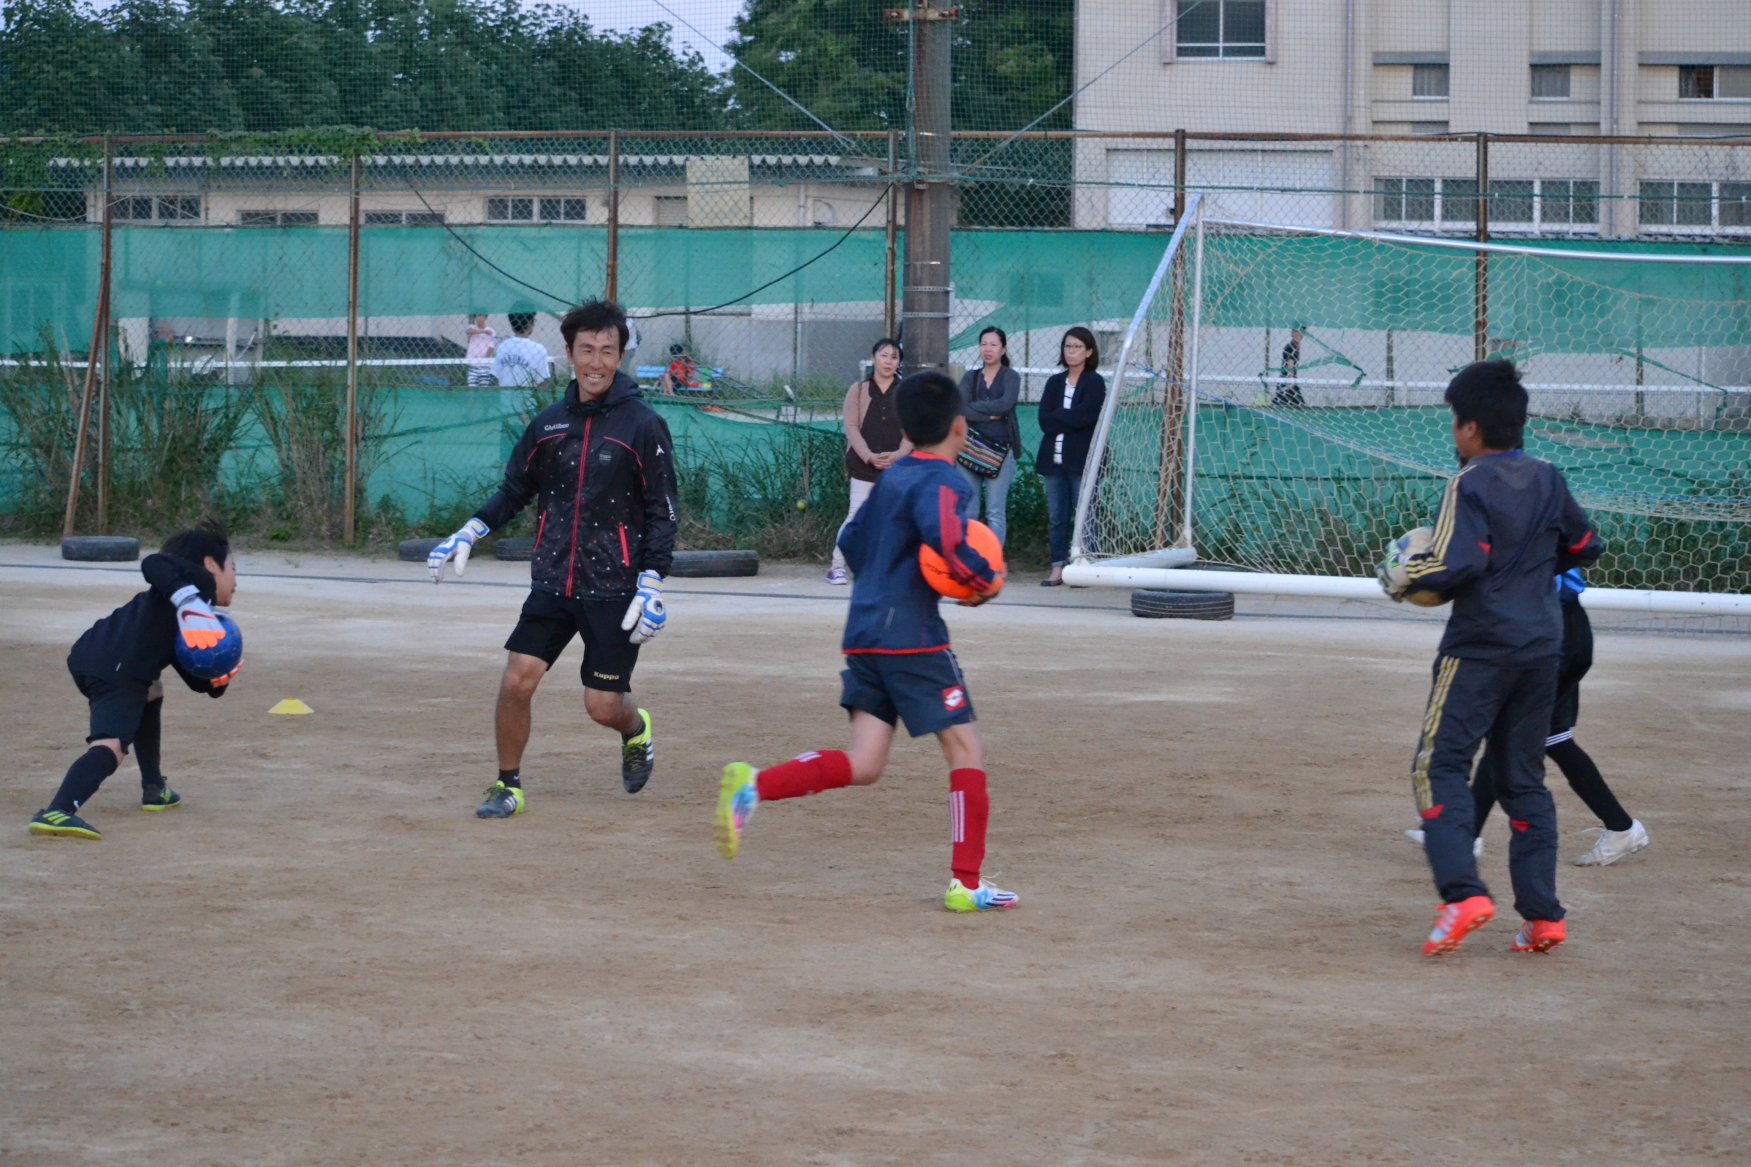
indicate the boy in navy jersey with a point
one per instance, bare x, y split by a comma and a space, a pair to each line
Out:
1506, 527
899, 665
116, 666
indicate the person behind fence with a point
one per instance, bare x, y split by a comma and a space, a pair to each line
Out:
482, 342
682, 372
599, 463
993, 437
116, 666
1069, 409
521, 362
1288, 394
873, 440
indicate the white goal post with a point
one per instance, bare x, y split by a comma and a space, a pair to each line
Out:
1276, 408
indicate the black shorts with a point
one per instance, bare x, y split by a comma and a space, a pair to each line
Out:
117, 708
1577, 659
925, 689
549, 622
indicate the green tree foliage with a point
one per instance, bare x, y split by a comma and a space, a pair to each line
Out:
194, 66
848, 66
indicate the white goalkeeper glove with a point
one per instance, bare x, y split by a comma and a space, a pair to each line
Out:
645, 616
195, 620
457, 547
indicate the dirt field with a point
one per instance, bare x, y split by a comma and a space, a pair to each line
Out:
324, 958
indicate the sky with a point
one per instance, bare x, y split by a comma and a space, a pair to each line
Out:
711, 20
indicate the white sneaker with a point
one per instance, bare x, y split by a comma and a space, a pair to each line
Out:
1416, 837
838, 576
1614, 845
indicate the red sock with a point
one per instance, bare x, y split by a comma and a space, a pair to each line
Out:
808, 773
968, 808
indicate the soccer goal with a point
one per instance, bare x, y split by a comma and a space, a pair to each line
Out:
1277, 408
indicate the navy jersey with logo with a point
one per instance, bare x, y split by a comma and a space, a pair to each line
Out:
919, 499
1506, 527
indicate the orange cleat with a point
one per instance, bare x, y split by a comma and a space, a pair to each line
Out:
1454, 922
1539, 936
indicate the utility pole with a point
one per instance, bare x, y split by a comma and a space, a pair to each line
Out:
924, 310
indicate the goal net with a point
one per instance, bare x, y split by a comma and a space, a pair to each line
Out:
1278, 403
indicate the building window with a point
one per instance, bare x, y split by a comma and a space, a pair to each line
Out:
569, 210
1550, 83
1428, 127
669, 210
1550, 129
1511, 200
277, 218
1695, 208
1714, 82
404, 218
1458, 202
1404, 200
157, 209
510, 210
1568, 202
1220, 28
1429, 82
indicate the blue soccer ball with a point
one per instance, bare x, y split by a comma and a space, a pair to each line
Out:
212, 663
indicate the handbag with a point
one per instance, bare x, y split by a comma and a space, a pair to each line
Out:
983, 456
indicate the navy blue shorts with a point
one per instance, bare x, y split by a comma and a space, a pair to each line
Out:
116, 708
923, 689
548, 623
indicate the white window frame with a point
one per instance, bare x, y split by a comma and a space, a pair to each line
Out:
1465, 221
669, 202
1712, 227
278, 217
1551, 71
1446, 76
537, 208
156, 209
1741, 74
402, 218
1169, 35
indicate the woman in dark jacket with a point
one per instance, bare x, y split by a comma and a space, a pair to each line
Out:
991, 392
1069, 409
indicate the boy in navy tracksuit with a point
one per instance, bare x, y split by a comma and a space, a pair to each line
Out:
1507, 525
116, 666
899, 665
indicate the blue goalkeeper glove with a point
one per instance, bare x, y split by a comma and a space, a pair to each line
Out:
645, 616
457, 547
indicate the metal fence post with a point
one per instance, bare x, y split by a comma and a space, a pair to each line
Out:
1481, 295
350, 505
888, 279
100, 346
611, 276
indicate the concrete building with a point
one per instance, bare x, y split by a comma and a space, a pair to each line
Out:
1557, 69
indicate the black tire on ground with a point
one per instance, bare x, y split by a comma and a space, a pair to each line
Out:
705, 564
514, 550
1160, 605
415, 550
100, 548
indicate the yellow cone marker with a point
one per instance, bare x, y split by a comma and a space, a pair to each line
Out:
291, 705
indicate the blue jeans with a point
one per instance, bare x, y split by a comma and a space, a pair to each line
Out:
1061, 492
995, 492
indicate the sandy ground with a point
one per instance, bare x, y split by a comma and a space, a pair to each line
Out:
324, 958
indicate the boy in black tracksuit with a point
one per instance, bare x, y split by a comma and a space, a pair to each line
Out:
1507, 525
601, 463
116, 666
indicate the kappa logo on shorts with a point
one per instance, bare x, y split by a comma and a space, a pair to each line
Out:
605, 676
953, 698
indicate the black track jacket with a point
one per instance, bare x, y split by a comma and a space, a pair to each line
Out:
137, 641
605, 474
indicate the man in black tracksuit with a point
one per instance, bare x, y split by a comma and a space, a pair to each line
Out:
116, 666
600, 462
1507, 525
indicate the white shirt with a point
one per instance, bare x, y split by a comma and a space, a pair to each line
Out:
521, 362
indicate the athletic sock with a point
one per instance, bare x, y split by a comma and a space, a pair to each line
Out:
83, 778
146, 743
969, 806
512, 778
808, 773
1586, 781
643, 724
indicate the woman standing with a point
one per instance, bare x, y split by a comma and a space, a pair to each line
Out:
991, 392
873, 440
1069, 409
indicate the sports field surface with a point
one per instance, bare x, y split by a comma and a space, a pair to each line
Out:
323, 957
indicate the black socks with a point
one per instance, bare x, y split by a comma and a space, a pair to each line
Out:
83, 778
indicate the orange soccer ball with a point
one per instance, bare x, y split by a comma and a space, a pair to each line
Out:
936, 574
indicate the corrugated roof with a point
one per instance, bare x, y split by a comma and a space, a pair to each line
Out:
313, 161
